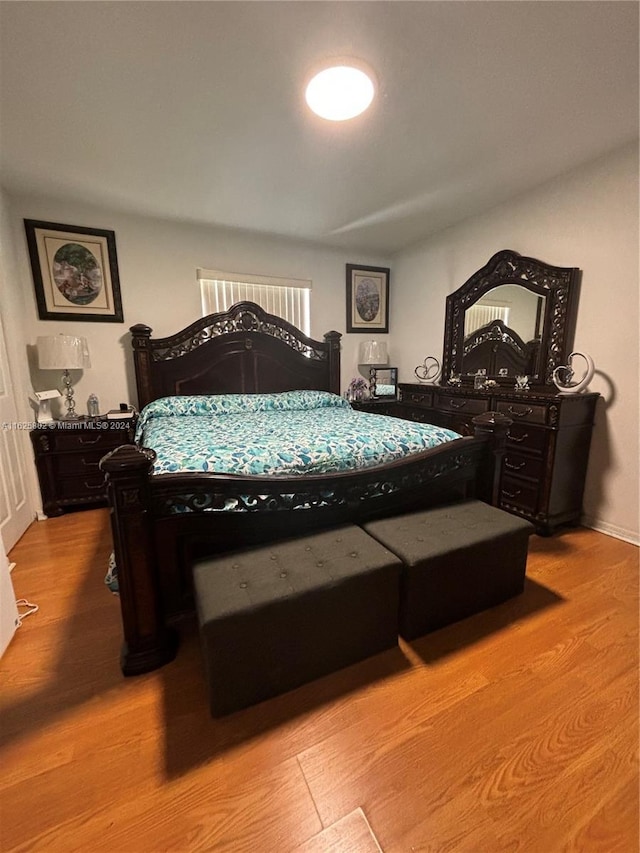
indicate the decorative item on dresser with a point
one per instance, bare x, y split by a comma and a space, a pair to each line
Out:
429, 371
67, 456
563, 377
544, 467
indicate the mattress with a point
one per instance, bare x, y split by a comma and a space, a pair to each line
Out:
295, 433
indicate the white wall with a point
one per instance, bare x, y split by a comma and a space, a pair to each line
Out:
157, 261
588, 219
13, 310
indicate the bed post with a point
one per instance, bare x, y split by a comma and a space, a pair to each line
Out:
148, 643
333, 341
493, 426
140, 340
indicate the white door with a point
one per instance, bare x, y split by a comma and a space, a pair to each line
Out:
15, 515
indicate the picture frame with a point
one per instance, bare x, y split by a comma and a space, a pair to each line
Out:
75, 272
367, 298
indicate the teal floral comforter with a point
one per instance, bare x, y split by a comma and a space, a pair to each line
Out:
293, 433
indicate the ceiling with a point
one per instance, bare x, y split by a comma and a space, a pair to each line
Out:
195, 110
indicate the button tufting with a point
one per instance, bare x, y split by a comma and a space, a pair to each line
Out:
307, 547
243, 585
283, 574
235, 566
273, 557
320, 563
353, 554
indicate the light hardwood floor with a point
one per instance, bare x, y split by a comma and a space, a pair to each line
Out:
515, 730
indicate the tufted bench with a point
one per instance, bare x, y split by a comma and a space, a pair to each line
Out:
458, 560
274, 617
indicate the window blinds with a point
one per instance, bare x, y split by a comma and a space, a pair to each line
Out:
288, 298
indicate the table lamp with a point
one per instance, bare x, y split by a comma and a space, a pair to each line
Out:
64, 352
373, 353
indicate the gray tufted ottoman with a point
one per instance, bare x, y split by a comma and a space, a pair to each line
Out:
458, 560
274, 617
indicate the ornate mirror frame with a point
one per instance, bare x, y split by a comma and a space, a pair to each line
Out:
560, 286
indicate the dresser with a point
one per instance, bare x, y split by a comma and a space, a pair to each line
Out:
544, 467
67, 454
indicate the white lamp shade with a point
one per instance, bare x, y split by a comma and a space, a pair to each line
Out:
63, 352
373, 352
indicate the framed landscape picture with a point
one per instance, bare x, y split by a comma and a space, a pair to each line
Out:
367, 298
75, 272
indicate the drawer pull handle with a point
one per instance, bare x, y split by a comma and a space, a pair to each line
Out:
457, 404
522, 438
89, 464
94, 486
512, 467
521, 413
84, 440
511, 494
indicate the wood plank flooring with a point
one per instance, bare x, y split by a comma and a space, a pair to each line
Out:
514, 730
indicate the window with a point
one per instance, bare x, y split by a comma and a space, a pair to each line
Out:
480, 314
288, 298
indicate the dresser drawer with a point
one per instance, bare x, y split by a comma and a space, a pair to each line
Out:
420, 416
519, 493
522, 466
523, 412
530, 438
463, 405
418, 398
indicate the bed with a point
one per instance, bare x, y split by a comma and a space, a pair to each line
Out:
235, 370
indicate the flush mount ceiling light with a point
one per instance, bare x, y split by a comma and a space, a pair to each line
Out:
340, 92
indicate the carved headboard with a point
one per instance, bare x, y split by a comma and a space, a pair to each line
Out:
242, 350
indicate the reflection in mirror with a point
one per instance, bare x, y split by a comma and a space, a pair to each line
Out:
384, 382
502, 332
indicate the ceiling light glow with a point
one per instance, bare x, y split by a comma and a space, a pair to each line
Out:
340, 93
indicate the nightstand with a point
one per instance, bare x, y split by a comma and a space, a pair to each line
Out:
67, 454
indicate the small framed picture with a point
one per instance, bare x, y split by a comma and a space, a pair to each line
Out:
367, 298
75, 272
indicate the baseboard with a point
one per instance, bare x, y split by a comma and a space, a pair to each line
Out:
611, 529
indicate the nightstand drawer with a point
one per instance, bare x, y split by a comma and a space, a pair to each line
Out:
84, 462
523, 412
90, 486
86, 438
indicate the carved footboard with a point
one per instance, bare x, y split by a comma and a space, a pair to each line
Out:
158, 521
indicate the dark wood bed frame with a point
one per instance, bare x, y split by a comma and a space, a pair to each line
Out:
160, 523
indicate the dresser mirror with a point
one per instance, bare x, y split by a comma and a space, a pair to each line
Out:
383, 383
514, 316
